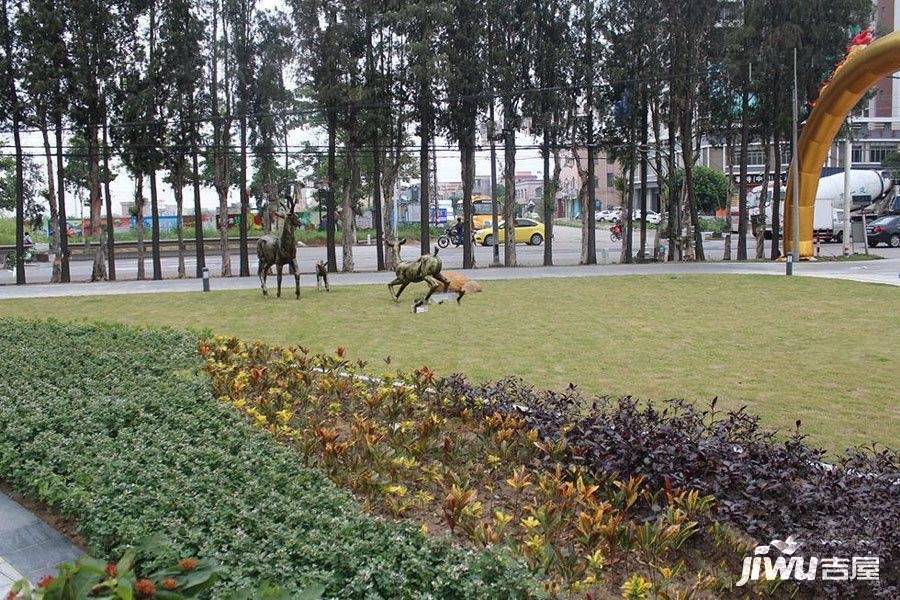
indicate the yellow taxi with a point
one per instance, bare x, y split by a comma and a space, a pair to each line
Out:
528, 231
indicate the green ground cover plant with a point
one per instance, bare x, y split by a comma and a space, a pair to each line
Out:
118, 429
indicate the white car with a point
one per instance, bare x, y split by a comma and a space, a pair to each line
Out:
609, 214
652, 216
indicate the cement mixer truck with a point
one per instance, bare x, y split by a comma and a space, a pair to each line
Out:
867, 187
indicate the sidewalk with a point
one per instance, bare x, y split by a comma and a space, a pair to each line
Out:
884, 271
28, 547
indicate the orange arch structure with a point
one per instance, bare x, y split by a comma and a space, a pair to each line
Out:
853, 79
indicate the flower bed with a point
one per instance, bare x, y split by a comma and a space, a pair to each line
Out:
412, 452
595, 495
117, 428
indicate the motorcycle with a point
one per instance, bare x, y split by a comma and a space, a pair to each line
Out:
615, 232
449, 236
9, 261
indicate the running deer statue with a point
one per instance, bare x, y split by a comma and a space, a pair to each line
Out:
279, 251
426, 268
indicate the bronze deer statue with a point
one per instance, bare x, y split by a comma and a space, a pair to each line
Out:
426, 268
280, 251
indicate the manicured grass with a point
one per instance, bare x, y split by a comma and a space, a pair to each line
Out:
816, 350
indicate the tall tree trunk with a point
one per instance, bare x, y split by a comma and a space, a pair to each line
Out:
628, 210
661, 180
642, 251
245, 198
198, 214
348, 214
584, 200
139, 224
110, 225
763, 200
154, 226
220, 144
687, 152
467, 157
589, 223
674, 225
549, 200
330, 207
776, 198
178, 189
63, 226
742, 185
52, 202
99, 271
424, 196
509, 183
729, 149
13, 99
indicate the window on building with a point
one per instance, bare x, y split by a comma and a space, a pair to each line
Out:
858, 154
755, 156
610, 180
878, 152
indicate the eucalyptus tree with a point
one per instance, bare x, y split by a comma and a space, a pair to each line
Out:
94, 39
219, 168
462, 43
320, 70
180, 42
273, 105
134, 136
421, 23
588, 55
391, 114
550, 105
44, 65
12, 111
508, 50
238, 23
623, 27
692, 24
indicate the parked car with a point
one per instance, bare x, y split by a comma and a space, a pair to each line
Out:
528, 231
609, 214
652, 217
884, 230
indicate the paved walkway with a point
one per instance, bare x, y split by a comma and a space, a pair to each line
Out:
28, 547
885, 271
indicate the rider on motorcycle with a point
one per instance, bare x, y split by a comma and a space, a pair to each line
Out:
458, 230
616, 228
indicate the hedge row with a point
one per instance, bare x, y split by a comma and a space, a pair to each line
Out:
117, 428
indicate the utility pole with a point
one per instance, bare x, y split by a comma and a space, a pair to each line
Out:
848, 157
795, 201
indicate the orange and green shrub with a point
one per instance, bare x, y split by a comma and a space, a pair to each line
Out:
410, 451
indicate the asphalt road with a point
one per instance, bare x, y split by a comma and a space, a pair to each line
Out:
566, 252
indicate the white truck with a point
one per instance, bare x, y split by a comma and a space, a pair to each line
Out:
866, 186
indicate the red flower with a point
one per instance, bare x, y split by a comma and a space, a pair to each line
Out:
46, 581
112, 570
169, 584
11, 596
341, 351
187, 564
144, 588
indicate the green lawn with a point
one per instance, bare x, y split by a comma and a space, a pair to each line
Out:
801, 348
